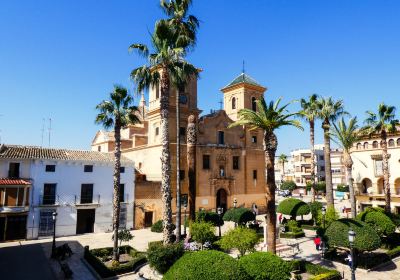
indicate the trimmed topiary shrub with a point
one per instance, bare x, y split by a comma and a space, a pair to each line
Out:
315, 208
241, 238
208, 216
239, 215
158, 226
202, 232
210, 265
265, 266
293, 207
378, 220
366, 237
162, 257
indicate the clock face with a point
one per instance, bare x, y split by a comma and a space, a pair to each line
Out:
182, 99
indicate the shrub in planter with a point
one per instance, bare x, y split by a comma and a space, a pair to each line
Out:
210, 265
158, 226
342, 188
162, 257
265, 266
366, 237
293, 207
208, 216
241, 238
378, 220
239, 215
202, 232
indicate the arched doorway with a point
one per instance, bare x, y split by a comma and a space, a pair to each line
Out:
365, 184
397, 186
222, 199
380, 186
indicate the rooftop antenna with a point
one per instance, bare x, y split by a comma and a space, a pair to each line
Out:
243, 67
220, 104
49, 131
43, 122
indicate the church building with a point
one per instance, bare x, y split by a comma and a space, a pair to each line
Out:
229, 161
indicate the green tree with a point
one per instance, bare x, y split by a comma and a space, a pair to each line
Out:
166, 66
380, 124
124, 235
184, 30
346, 135
241, 238
268, 117
309, 112
117, 113
283, 159
328, 111
288, 185
202, 232
315, 208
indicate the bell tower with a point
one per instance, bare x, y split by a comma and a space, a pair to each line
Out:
241, 93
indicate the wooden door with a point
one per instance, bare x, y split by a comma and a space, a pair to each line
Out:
148, 219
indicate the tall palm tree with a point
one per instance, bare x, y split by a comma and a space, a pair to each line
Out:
346, 135
166, 66
328, 111
381, 124
309, 112
184, 30
283, 159
269, 118
117, 113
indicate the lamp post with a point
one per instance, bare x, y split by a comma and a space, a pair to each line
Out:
352, 237
323, 210
53, 248
184, 219
219, 212
234, 202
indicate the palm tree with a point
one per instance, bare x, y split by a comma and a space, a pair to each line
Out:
166, 66
117, 113
346, 136
283, 159
309, 112
268, 117
184, 28
381, 124
328, 111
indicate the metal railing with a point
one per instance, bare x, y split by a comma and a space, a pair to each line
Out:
49, 199
87, 199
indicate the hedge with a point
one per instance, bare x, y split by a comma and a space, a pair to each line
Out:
158, 226
208, 216
239, 215
292, 234
378, 220
293, 207
210, 265
333, 275
162, 257
93, 258
265, 266
366, 237
319, 272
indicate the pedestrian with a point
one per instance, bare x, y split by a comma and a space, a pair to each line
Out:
349, 259
280, 218
317, 242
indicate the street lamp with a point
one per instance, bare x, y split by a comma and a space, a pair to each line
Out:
323, 210
219, 212
234, 202
53, 248
352, 237
184, 219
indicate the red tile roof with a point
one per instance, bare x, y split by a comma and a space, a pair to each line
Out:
12, 182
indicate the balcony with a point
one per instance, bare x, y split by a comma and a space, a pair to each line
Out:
87, 199
14, 198
49, 200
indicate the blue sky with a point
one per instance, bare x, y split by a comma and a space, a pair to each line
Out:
59, 59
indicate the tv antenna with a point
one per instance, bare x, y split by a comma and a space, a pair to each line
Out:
43, 123
49, 131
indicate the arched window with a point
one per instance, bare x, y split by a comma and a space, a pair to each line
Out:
233, 103
391, 143
253, 104
358, 146
381, 144
365, 145
398, 142
375, 144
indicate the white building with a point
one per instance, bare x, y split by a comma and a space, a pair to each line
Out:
78, 185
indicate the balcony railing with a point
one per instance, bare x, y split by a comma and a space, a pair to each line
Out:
49, 200
87, 199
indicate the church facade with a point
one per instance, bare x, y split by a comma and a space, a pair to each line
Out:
229, 161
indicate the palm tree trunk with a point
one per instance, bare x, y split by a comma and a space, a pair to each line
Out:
386, 174
348, 163
116, 205
165, 159
312, 126
328, 167
178, 178
270, 145
191, 163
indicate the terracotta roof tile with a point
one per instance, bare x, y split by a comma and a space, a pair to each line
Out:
33, 152
12, 182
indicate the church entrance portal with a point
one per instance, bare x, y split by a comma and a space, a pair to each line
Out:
222, 199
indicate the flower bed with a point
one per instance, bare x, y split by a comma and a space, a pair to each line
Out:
98, 258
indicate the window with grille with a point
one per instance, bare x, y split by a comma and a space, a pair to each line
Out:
46, 222
235, 162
